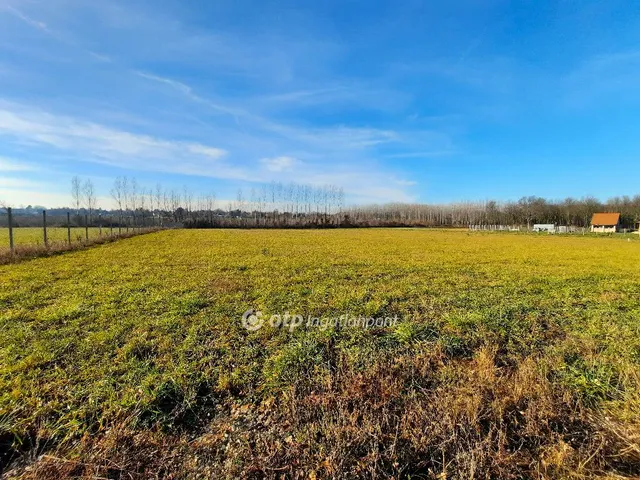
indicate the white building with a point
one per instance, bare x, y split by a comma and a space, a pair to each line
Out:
544, 227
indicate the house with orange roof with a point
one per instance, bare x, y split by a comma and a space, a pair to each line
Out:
605, 222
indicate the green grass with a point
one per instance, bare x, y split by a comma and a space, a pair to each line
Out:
519, 341
35, 235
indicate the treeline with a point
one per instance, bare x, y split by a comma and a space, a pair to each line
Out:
292, 205
272, 205
525, 212
276, 205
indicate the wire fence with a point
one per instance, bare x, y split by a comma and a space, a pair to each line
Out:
538, 228
50, 231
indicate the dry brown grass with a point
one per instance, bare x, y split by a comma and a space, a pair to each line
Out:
418, 416
26, 252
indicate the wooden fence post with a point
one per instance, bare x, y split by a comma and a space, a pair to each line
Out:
11, 246
100, 224
44, 227
69, 228
86, 227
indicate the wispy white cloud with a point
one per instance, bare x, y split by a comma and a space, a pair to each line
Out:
187, 90
189, 93
208, 131
341, 137
347, 95
278, 164
405, 183
93, 142
428, 154
100, 57
334, 137
211, 152
63, 37
26, 19
112, 146
331, 143
12, 165
8, 182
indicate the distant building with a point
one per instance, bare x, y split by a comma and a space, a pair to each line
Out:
605, 222
544, 227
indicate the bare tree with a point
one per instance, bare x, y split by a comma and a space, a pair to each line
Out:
188, 199
133, 197
174, 202
89, 196
117, 193
150, 198
142, 203
210, 205
126, 195
76, 193
158, 197
240, 201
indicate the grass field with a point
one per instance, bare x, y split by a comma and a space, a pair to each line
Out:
34, 236
515, 356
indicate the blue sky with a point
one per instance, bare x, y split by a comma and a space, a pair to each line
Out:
394, 101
